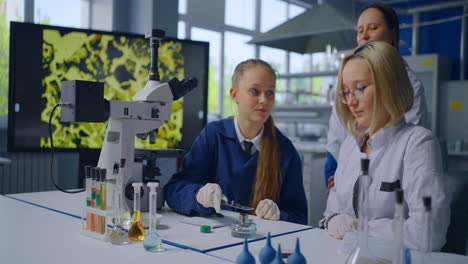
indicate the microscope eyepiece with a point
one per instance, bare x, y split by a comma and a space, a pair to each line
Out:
181, 88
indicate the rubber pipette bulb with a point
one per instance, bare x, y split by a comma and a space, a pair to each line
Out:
267, 254
278, 259
296, 257
245, 257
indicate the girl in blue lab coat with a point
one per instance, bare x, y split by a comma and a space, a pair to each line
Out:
243, 158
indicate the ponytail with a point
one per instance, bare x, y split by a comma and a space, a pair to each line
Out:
267, 184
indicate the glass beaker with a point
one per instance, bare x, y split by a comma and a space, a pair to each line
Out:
244, 227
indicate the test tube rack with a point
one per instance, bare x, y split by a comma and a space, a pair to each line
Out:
97, 223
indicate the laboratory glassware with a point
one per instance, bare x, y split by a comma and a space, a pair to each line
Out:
88, 185
98, 188
244, 227
398, 225
103, 188
93, 187
152, 240
89, 217
98, 219
427, 233
361, 253
118, 235
136, 231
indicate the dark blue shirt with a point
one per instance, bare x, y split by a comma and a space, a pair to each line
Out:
217, 157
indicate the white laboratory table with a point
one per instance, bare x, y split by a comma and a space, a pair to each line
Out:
172, 231
34, 235
318, 247
45, 228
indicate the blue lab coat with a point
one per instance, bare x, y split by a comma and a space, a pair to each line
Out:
217, 157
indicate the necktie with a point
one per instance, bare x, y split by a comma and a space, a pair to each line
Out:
247, 147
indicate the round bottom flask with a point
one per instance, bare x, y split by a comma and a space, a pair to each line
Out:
244, 227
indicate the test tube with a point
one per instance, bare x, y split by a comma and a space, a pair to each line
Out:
97, 217
98, 188
88, 185
93, 198
93, 187
103, 188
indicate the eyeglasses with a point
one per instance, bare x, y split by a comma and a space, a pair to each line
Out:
358, 94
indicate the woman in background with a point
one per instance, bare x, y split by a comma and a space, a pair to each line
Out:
377, 21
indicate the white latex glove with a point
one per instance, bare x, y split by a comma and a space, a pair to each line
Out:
211, 195
268, 209
339, 225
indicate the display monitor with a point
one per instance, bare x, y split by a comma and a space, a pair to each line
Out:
41, 57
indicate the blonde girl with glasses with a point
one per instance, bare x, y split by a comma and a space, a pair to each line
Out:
402, 155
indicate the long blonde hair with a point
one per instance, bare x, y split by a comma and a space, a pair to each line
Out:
267, 181
393, 91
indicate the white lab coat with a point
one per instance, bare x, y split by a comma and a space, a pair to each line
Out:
416, 115
404, 152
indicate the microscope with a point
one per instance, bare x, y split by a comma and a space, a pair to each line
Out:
141, 117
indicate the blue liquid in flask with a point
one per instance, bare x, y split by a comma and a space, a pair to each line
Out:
152, 241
